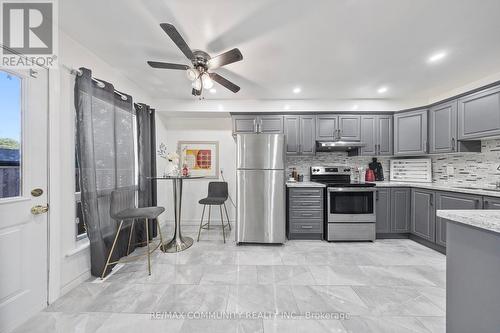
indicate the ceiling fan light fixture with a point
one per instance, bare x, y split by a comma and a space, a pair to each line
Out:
192, 74
197, 84
207, 81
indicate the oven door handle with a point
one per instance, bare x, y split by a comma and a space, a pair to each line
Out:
351, 189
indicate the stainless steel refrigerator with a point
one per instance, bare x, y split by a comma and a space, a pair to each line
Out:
260, 176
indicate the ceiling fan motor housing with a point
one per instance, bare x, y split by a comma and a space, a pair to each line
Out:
201, 58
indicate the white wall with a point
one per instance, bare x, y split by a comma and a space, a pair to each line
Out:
172, 130
69, 259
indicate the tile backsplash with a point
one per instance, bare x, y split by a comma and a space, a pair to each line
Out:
472, 169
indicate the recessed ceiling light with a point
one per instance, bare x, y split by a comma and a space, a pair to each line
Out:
213, 91
355, 107
297, 90
382, 90
436, 57
286, 107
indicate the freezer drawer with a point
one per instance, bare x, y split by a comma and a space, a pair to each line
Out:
260, 210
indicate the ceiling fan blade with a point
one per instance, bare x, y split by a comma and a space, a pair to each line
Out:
224, 82
176, 37
166, 65
195, 92
225, 58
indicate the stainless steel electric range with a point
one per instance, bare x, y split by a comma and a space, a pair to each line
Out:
350, 208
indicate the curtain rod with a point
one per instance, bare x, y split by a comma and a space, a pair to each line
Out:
100, 84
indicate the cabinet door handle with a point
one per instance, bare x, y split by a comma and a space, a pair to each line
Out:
477, 203
431, 199
304, 214
306, 226
453, 148
486, 203
376, 195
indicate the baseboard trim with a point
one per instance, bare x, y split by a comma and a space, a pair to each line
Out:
384, 235
425, 242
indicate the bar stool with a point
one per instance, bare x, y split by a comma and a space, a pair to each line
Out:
122, 207
217, 196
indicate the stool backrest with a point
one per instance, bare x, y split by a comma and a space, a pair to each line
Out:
120, 200
217, 190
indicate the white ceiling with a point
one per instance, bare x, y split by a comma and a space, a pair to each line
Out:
332, 49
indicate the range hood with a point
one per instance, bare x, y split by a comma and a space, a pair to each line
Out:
338, 145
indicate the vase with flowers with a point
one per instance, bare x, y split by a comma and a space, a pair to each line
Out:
172, 161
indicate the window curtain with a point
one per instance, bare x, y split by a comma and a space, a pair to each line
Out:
106, 158
146, 146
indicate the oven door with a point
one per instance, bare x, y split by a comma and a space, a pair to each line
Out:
351, 204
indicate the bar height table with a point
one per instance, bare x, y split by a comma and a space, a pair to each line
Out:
178, 242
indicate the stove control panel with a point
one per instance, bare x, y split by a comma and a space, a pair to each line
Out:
330, 170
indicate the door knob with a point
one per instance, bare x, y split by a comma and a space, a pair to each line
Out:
38, 209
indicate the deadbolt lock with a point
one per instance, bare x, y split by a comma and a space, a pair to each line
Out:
36, 192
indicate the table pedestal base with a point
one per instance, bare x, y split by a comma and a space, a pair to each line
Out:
177, 244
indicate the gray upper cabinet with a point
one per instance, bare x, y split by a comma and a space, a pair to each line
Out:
491, 203
410, 133
400, 210
445, 200
479, 115
383, 210
292, 133
423, 214
244, 124
443, 128
270, 124
257, 124
349, 127
343, 127
307, 142
369, 134
326, 127
376, 133
300, 135
384, 135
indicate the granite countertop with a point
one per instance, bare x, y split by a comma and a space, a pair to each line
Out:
429, 186
304, 184
488, 220
441, 187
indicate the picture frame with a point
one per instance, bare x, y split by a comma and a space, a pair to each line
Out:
201, 157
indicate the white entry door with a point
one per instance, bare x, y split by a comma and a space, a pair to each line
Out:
23, 195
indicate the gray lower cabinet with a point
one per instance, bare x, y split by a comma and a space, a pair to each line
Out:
244, 124
491, 203
393, 209
376, 133
443, 128
423, 214
383, 210
400, 210
410, 133
300, 135
448, 200
305, 213
479, 114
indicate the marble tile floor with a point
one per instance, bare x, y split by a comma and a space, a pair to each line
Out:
302, 286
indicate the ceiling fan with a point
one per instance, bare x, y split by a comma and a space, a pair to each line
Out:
201, 64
